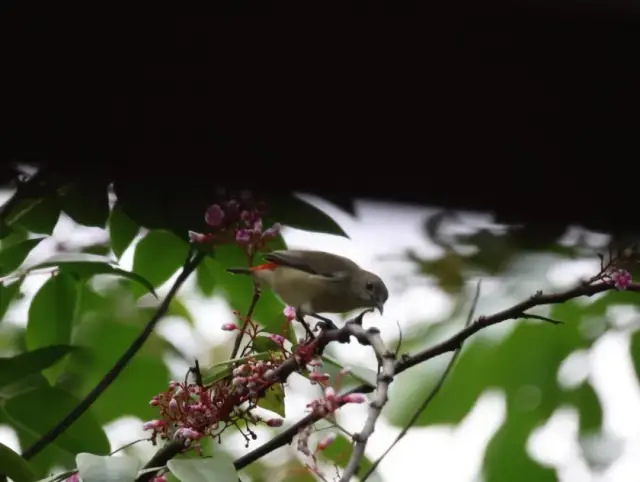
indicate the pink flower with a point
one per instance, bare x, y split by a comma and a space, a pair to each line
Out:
153, 424
214, 216
243, 236
198, 237
290, 313
325, 442
621, 279
74, 478
188, 433
275, 422
229, 327
278, 339
257, 226
354, 398
317, 376
160, 478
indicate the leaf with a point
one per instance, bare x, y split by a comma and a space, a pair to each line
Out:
219, 468
95, 468
339, 452
296, 213
51, 316
263, 344
586, 401
85, 265
238, 289
122, 230
506, 458
273, 399
158, 256
84, 434
36, 215
362, 374
14, 466
16, 368
13, 256
86, 203
205, 278
8, 293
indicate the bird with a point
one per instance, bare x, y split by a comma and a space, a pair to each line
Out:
315, 282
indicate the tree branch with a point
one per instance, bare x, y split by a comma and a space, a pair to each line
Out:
189, 266
388, 364
450, 344
432, 394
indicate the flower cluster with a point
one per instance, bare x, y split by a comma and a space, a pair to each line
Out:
620, 278
237, 220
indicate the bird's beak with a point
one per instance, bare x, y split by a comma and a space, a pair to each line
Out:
380, 307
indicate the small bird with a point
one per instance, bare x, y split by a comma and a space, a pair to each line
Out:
318, 282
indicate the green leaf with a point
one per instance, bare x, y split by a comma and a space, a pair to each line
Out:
95, 468
339, 452
28, 411
51, 316
14, 466
13, 256
219, 468
296, 213
273, 399
506, 458
263, 344
85, 265
585, 399
361, 374
205, 278
36, 215
8, 293
238, 289
86, 203
16, 368
158, 256
107, 327
122, 230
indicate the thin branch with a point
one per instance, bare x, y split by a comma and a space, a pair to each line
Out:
189, 266
388, 364
450, 344
252, 307
432, 394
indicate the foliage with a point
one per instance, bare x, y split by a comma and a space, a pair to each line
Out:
90, 310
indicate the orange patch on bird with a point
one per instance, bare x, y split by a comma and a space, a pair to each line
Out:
267, 266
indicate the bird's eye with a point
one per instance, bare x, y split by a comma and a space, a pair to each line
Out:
369, 286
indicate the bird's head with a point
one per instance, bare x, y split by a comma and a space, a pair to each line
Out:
371, 290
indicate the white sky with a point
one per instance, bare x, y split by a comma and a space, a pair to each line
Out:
380, 233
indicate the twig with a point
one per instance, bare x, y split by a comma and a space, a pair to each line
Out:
252, 307
432, 394
388, 364
451, 344
189, 266
530, 316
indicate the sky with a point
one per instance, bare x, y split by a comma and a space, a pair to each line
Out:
379, 236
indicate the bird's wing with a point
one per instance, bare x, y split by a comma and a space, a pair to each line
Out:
313, 262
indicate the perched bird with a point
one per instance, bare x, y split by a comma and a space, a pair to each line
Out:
317, 282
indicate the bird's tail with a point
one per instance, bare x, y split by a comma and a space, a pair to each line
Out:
239, 270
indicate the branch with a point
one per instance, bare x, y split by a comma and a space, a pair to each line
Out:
252, 307
189, 266
388, 364
451, 344
431, 396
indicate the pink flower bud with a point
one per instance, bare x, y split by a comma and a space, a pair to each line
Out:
330, 393
188, 433
153, 424
317, 376
198, 237
354, 398
278, 339
154, 402
160, 478
214, 216
316, 362
173, 404
243, 236
275, 422
257, 225
245, 216
345, 371
74, 478
325, 442
229, 327
290, 313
